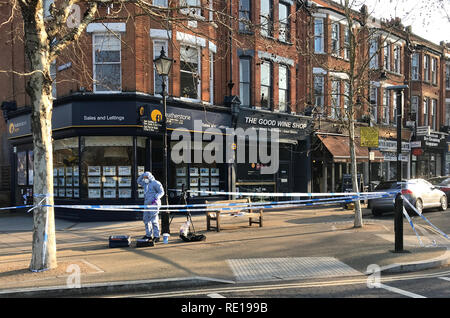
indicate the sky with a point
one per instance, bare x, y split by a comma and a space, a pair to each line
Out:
429, 19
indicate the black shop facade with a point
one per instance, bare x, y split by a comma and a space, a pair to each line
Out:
293, 173
101, 146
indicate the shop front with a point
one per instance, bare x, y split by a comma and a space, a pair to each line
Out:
293, 167
428, 157
100, 148
387, 169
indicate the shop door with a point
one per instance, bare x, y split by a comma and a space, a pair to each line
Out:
284, 177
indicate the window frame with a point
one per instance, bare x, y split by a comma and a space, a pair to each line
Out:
373, 92
286, 90
267, 31
426, 68
241, 82
199, 72
415, 67
387, 56
335, 38
386, 107
335, 98
397, 59
287, 24
270, 86
94, 75
319, 36
374, 56
434, 67
321, 96
244, 27
426, 105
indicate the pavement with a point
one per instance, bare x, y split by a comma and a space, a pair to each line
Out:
311, 243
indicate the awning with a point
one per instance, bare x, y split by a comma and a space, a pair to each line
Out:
339, 148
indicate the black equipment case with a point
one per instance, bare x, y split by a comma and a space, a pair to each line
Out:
144, 243
119, 241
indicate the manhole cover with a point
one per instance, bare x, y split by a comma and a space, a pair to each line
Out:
258, 269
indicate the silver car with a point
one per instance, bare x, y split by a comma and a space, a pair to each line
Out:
420, 193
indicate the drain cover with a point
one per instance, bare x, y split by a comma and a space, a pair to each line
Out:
257, 269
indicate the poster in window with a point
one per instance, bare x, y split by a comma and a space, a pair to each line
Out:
125, 193
109, 182
181, 171
193, 172
204, 182
109, 170
76, 181
215, 172
69, 192
125, 182
76, 171
195, 193
68, 171
194, 182
141, 193
204, 189
62, 192
93, 170
180, 182
94, 193
124, 170
21, 168
30, 167
109, 193
76, 193
61, 182
94, 182
68, 181
140, 170
215, 181
61, 171
204, 172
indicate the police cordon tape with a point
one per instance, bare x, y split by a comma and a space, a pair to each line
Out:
331, 199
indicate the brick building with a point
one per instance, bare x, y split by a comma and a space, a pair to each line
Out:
237, 64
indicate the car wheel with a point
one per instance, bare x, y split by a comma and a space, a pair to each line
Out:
419, 205
443, 206
376, 212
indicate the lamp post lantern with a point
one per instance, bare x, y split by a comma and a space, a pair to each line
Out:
163, 65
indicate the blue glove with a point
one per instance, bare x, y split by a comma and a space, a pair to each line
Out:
154, 202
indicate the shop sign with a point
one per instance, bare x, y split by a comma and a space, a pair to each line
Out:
289, 126
369, 137
19, 126
416, 144
391, 145
390, 156
185, 118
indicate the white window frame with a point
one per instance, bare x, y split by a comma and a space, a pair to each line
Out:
425, 111
434, 63
156, 54
426, 68
247, 84
188, 11
434, 114
335, 38
319, 36
373, 101
286, 89
386, 106
285, 23
347, 48
335, 98
373, 54
199, 72
397, 59
94, 35
267, 30
415, 58
387, 56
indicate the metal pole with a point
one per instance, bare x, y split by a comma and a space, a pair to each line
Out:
398, 219
164, 214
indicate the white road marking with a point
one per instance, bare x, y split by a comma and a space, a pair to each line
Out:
445, 278
215, 295
400, 291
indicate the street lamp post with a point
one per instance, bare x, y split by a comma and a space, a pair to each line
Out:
398, 218
163, 65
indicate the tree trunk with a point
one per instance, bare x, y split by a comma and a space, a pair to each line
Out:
39, 88
358, 222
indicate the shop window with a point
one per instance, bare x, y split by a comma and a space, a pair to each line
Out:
66, 174
106, 167
189, 72
107, 63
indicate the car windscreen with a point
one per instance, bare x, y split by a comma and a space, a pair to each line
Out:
387, 186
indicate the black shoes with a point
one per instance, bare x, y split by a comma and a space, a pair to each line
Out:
155, 239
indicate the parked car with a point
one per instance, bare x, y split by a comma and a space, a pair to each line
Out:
419, 192
442, 183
